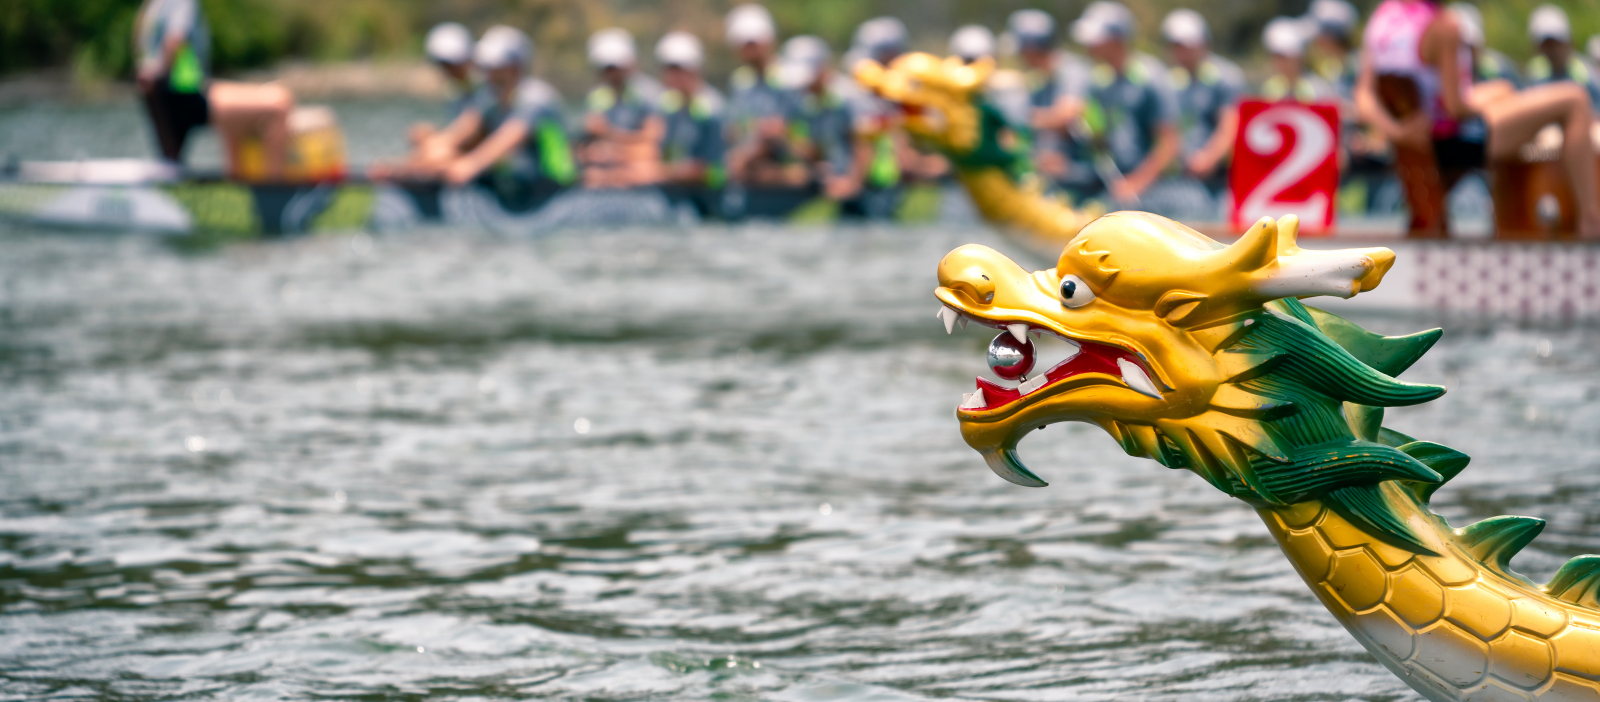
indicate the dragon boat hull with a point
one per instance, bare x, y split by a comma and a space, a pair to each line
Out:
129, 195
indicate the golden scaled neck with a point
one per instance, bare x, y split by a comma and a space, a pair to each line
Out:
1022, 206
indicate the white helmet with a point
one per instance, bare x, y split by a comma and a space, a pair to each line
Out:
449, 42
680, 49
1470, 20
1287, 36
882, 34
749, 24
612, 47
1336, 17
1549, 22
972, 42
1185, 27
502, 46
1032, 27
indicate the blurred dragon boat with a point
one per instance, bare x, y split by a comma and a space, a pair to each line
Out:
1522, 277
323, 194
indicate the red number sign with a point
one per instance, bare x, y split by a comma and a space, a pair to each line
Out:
1285, 161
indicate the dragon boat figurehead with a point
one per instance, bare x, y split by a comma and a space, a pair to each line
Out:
943, 105
1153, 310
936, 96
1201, 356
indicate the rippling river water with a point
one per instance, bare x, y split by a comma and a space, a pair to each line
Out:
710, 463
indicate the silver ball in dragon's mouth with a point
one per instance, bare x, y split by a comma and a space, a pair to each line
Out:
1009, 358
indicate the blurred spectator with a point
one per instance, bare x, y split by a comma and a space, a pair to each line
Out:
1208, 88
1551, 34
1332, 52
821, 128
1058, 86
513, 138
1132, 113
692, 146
172, 56
1285, 39
1487, 64
622, 131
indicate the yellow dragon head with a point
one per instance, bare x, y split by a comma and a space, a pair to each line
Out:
1197, 355
937, 96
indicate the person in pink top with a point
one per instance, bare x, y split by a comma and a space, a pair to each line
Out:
1468, 124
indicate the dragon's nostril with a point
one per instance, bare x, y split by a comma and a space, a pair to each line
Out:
974, 283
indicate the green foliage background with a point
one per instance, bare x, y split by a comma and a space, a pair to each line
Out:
92, 37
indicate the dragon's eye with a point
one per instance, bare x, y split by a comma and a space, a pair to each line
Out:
1074, 292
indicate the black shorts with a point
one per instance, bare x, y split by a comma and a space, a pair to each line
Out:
176, 114
1457, 154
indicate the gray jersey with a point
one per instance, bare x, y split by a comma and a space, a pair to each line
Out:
628, 110
694, 129
1127, 111
1068, 76
545, 152
752, 98
1308, 88
1214, 85
826, 124
1577, 70
1493, 65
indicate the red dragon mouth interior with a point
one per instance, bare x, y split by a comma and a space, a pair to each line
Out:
1090, 357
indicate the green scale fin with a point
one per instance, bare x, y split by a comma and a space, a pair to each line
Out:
1494, 541
1578, 582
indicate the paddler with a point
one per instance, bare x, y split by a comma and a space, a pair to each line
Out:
692, 148
1487, 63
1332, 52
887, 159
821, 128
1555, 62
757, 103
1006, 88
449, 46
1132, 114
622, 130
172, 45
1208, 88
512, 139
1057, 83
1285, 39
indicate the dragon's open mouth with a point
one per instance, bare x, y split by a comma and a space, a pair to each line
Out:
1087, 362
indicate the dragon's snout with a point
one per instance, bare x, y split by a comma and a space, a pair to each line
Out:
972, 270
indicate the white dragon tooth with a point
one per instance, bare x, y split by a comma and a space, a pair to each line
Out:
962, 321
1136, 379
948, 316
1019, 331
1034, 383
1073, 348
974, 400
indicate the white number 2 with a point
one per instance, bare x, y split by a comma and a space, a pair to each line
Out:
1313, 144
